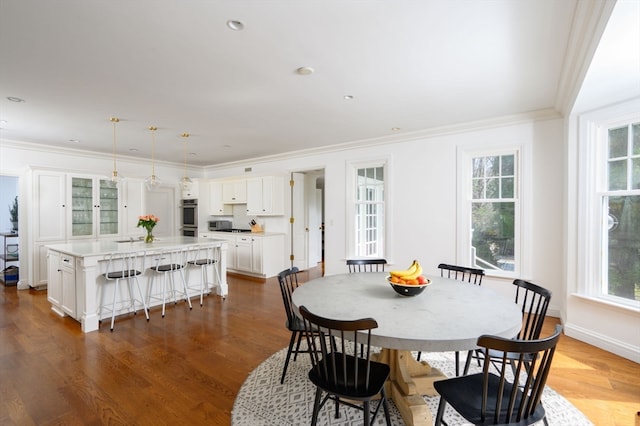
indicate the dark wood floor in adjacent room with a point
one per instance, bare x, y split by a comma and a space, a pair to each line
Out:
188, 367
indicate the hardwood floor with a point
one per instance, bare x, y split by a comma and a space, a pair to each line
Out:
188, 367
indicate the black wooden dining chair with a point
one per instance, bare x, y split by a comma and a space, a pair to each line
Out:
460, 273
340, 370
288, 280
512, 396
534, 302
366, 265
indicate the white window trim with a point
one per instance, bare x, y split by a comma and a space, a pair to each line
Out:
592, 128
524, 189
351, 167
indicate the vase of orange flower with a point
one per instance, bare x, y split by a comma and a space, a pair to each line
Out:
148, 222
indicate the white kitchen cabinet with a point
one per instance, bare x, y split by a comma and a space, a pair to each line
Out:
49, 201
94, 208
234, 191
244, 254
217, 207
61, 288
132, 202
265, 196
191, 193
259, 255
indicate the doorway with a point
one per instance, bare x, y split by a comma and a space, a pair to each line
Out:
307, 213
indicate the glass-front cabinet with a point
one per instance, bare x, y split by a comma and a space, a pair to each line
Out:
94, 207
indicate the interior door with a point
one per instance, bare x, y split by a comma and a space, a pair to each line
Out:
299, 234
162, 203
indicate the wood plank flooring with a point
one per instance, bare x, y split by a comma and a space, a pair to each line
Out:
188, 367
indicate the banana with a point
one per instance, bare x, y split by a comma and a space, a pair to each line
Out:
415, 274
402, 274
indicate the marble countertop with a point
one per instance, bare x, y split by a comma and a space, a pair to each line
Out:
106, 246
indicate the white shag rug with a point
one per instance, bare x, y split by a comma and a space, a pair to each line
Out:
263, 401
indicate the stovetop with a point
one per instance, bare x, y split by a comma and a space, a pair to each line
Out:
234, 230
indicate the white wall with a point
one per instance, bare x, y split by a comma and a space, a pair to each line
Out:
422, 198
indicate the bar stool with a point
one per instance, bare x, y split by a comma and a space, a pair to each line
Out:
166, 264
123, 266
203, 257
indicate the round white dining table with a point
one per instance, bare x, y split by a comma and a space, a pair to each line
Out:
448, 315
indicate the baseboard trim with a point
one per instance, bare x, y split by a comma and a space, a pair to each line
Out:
603, 342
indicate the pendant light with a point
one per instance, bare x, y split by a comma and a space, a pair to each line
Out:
114, 174
152, 182
185, 182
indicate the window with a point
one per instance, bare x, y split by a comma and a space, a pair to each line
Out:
368, 238
492, 191
609, 205
493, 212
620, 201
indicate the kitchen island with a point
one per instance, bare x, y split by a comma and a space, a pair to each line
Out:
75, 273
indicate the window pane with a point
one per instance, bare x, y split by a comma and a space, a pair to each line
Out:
493, 235
493, 188
492, 166
618, 142
635, 129
507, 188
624, 247
508, 165
478, 167
478, 189
635, 174
617, 175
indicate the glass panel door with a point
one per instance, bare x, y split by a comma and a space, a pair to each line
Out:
82, 207
108, 208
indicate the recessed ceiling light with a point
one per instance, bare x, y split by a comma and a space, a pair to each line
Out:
226, 146
395, 129
305, 70
74, 140
15, 99
133, 149
235, 25
193, 154
348, 97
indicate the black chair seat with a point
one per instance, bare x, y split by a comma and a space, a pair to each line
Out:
359, 390
122, 274
508, 396
168, 267
342, 368
202, 262
464, 394
295, 325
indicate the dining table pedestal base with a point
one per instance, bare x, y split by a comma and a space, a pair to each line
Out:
408, 381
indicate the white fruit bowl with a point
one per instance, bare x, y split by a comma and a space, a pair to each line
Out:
409, 289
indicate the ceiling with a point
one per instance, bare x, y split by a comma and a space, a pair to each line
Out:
408, 66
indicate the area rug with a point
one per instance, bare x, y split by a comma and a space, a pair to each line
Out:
263, 401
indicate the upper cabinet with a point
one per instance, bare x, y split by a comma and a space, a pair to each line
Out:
132, 203
217, 207
191, 193
94, 207
49, 206
265, 196
234, 191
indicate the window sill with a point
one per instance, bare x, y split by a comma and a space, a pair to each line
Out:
608, 303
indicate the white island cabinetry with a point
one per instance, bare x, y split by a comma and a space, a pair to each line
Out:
76, 271
61, 289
